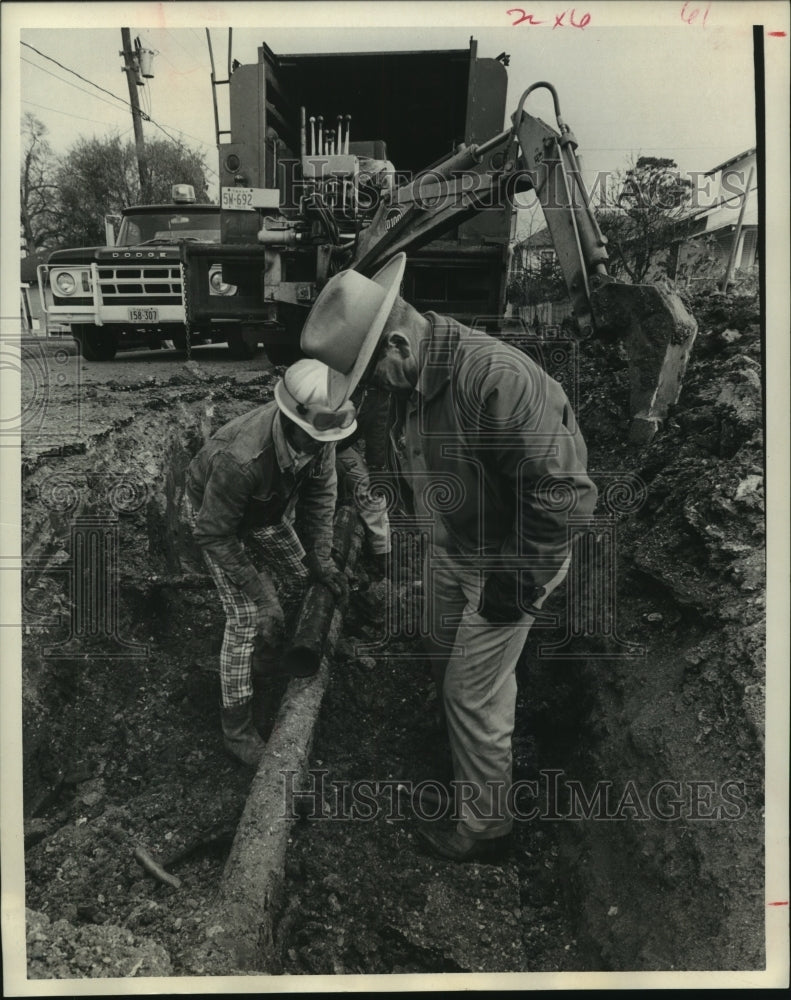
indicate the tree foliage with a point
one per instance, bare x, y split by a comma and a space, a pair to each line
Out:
640, 216
37, 187
534, 280
100, 176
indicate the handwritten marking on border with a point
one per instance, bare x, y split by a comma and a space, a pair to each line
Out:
574, 21
690, 13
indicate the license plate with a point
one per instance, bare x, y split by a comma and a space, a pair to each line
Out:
138, 314
248, 199
238, 198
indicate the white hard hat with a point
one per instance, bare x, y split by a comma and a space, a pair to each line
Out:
302, 394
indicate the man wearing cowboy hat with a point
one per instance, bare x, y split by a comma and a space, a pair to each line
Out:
489, 445
253, 481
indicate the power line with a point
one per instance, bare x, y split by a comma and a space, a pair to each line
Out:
181, 45
67, 113
146, 118
75, 73
126, 104
176, 141
146, 95
68, 83
197, 37
143, 114
194, 137
168, 61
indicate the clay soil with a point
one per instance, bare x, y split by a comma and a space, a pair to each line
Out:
123, 751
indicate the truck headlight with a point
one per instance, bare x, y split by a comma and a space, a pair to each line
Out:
70, 282
217, 285
65, 283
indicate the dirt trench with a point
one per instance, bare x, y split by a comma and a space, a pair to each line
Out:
121, 731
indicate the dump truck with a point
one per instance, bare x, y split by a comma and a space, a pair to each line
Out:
302, 200
130, 291
314, 145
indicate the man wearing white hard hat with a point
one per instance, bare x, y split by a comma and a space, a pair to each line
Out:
489, 446
260, 475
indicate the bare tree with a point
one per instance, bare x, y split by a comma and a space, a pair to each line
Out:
37, 187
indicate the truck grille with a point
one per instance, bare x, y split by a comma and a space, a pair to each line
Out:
123, 284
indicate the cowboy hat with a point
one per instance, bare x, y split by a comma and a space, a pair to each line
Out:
302, 395
346, 321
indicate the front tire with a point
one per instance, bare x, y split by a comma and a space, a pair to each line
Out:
95, 343
179, 340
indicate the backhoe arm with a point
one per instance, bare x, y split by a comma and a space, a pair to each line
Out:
438, 198
652, 321
549, 160
528, 155
655, 326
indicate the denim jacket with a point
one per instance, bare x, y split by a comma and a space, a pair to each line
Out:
241, 481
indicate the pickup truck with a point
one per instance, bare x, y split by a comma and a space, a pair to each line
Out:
131, 291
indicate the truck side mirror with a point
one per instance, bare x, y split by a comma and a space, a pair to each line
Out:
110, 222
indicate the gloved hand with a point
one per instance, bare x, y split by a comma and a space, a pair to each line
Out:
270, 623
501, 597
328, 574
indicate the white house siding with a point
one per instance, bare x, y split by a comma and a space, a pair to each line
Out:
717, 227
546, 315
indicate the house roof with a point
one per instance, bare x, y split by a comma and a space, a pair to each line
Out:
727, 163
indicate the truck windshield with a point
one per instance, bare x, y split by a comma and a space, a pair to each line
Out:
169, 227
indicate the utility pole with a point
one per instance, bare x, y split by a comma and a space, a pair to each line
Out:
132, 70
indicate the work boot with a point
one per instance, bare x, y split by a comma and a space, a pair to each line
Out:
455, 845
240, 735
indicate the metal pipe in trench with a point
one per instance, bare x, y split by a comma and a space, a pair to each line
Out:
303, 656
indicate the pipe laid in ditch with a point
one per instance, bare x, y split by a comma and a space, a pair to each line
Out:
240, 936
303, 656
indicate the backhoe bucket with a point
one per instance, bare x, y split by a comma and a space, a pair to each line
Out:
658, 333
